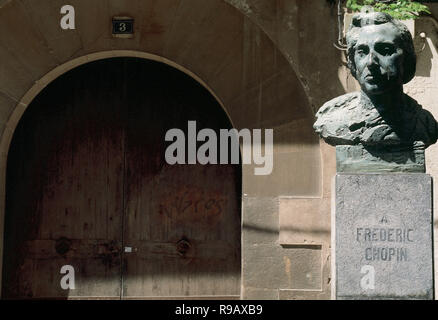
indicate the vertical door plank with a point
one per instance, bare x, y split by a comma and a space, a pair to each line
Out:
182, 221
64, 189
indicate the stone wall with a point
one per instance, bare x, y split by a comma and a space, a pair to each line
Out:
304, 32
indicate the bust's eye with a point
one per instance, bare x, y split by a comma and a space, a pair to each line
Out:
385, 49
362, 50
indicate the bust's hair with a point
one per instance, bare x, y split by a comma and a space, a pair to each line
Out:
361, 20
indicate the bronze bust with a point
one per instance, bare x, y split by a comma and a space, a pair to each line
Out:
380, 119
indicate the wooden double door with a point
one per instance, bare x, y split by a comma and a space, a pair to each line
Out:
88, 187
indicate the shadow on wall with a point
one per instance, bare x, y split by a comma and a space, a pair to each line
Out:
318, 56
263, 229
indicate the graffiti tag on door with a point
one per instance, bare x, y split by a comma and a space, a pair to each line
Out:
193, 204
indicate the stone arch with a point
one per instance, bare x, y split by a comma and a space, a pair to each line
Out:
211, 41
60, 70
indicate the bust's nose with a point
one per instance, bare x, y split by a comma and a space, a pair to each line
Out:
372, 59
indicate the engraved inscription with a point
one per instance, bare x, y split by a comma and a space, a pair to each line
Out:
394, 236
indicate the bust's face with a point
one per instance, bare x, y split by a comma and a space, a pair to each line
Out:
379, 59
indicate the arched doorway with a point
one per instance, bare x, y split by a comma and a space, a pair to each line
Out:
88, 186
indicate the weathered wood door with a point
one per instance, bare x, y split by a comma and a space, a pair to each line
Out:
88, 186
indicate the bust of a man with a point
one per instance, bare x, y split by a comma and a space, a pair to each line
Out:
381, 56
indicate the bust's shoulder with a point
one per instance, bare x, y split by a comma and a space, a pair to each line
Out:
411, 102
426, 127
336, 117
414, 109
340, 102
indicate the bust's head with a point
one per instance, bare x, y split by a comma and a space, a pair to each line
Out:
381, 53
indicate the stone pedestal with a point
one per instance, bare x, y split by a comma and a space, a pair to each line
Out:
382, 236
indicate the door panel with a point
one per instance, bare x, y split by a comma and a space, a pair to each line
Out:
87, 177
64, 200
181, 221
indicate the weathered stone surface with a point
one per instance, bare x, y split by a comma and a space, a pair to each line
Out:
383, 225
297, 214
288, 294
259, 294
360, 159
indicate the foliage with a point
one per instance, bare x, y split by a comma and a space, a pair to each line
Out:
398, 9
